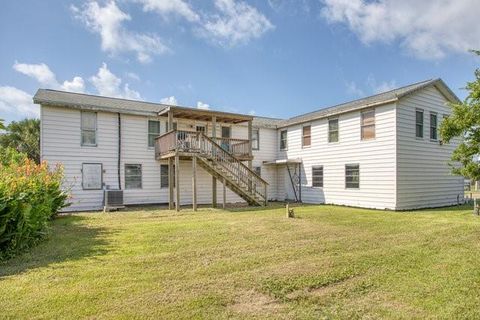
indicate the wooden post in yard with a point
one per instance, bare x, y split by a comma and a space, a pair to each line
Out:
194, 182
214, 180
177, 182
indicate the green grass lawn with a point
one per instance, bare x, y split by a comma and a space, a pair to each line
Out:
329, 262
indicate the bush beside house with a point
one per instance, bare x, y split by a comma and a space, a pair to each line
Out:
30, 195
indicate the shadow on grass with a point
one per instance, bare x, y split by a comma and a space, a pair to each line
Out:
68, 240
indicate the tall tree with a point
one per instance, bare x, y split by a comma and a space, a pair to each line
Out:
24, 136
464, 122
2, 126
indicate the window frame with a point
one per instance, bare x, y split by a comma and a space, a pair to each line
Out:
152, 133
318, 167
258, 139
363, 125
436, 126
162, 176
82, 129
286, 140
309, 136
331, 131
422, 124
101, 175
347, 186
141, 175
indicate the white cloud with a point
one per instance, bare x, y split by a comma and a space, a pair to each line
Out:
108, 84
370, 86
169, 100
133, 75
427, 29
385, 86
40, 72
236, 23
76, 85
16, 101
108, 22
166, 8
45, 77
353, 89
203, 106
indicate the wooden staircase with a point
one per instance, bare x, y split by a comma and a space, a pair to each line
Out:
217, 161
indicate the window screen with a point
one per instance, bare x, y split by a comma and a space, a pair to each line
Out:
352, 176
283, 140
317, 176
153, 132
256, 139
433, 126
333, 130
419, 123
133, 176
89, 128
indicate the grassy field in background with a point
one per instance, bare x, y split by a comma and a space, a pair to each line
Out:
329, 262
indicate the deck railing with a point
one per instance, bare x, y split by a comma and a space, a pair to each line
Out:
187, 141
219, 153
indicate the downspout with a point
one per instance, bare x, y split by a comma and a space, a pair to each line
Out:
119, 151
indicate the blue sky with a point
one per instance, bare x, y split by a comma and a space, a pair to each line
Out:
275, 58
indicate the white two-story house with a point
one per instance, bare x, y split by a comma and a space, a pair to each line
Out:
379, 152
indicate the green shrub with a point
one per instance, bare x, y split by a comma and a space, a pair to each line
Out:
30, 195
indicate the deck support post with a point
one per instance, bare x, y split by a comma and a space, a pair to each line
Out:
214, 180
170, 183
194, 182
177, 182
224, 193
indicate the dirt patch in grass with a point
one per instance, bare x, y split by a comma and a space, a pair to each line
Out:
255, 303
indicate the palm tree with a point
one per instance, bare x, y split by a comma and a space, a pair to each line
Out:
23, 136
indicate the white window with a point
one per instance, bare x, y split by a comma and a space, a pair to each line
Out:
92, 176
368, 124
306, 136
352, 176
258, 171
333, 130
201, 128
433, 126
153, 132
89, 128
419, 123
317, 176
256, 139
133, 176
283, 140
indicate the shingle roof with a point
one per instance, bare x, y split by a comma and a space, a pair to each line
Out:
86, 101
377, 99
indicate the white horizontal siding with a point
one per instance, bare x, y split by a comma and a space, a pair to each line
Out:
424, 178
61, 145
376, 158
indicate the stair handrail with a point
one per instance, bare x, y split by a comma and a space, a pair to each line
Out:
249, 178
